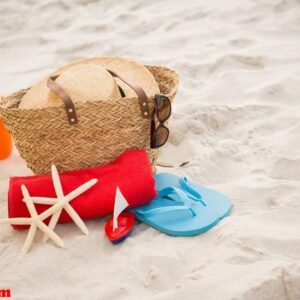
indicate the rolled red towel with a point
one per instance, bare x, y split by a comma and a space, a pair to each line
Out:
131, 172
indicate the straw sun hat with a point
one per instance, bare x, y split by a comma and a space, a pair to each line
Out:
88, 80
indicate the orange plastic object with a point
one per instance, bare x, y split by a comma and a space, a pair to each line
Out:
6, 143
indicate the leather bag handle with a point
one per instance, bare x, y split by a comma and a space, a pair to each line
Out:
143, 101
70, 107
69, 104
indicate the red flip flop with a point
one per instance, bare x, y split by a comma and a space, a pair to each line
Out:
126, 222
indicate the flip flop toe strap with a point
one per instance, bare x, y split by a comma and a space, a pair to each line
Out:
192, 191
169, 191
184, 203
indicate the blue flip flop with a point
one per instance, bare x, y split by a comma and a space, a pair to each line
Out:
215, 200
178, 215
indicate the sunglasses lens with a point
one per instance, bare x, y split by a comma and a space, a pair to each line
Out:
160, 137
163, 108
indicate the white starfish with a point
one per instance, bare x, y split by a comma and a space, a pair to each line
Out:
62, 202
36, 221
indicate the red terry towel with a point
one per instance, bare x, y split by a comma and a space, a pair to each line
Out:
131, 172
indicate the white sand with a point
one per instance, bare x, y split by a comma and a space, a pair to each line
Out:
236, 118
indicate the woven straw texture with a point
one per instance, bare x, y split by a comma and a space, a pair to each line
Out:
104, 131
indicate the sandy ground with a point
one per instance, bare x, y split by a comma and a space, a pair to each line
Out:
236, 117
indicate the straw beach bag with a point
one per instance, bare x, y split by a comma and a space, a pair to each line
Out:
80, 134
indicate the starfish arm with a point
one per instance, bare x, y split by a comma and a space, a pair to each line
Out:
42, 200
29, 240
47, 213
80, 190
52, 235
75, 217
56, 182
28, 201
16, 221
52, 223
